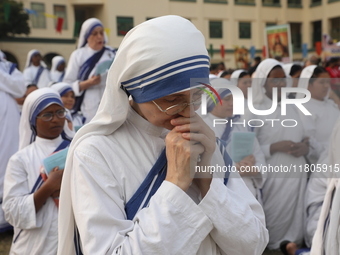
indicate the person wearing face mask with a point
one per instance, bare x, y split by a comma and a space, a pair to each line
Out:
127, 187
35, 72
83, 72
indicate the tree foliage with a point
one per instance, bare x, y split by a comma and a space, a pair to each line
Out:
17, 22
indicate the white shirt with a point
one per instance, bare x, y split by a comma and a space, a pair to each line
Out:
55, 75
319, 125
283, 193
39, 230
255, 183
11, 86
107, 170
94, 93
30, 74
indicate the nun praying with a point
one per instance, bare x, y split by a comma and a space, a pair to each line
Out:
127, 187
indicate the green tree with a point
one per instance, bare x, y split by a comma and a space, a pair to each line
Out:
13, 19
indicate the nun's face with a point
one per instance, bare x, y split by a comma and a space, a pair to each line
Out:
275, 79
53, 128
226, 109
244, 83
68, 100
150, 111
96, 38
36, 58
319, 86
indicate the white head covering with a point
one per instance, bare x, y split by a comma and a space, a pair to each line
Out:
287, 68
305, 76
156, 58
222, 92
86, 30
236, 75
2, 56
260, 77
35, 102
29, 58
56, 61
62, 88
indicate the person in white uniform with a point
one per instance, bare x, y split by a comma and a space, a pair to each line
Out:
28, 201
57, 69
83, 72
318, 125
111, 202
11, 86
252, 176
35, 71
326, 237
283, 192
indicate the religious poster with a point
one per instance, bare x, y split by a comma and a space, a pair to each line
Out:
241, 58
278, 43
330, 48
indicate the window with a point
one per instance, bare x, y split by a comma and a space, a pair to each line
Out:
60, 11
216, 1
245, 2
124, 24
294, 3
244, 30
270, 24
315, 3
215, 29
295, 31
271, 2
39, 20
335, 29
317, 32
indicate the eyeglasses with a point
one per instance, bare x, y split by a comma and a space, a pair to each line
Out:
174, 109
49, 115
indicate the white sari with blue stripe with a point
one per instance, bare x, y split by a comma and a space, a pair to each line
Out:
111, 156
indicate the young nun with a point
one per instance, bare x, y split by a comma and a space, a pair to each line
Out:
249, 165
105, 191
11, 86
67, 97
242, 80
28, 201
283, 193
81, 71
319, 125
35, 71
58, 69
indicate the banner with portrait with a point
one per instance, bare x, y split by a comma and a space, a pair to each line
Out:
330, 47
278, 43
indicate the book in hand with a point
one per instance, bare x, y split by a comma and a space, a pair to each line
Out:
103, 67
241, 145
56, 159
76, 128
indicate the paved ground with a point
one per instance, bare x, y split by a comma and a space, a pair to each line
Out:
6, 239
5, 242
